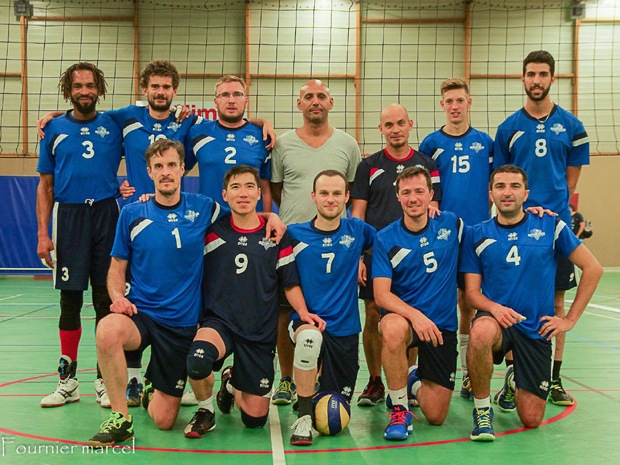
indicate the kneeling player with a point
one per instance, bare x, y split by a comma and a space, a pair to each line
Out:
242, 271
327, 251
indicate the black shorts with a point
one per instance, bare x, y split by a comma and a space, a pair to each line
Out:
533, 359
167, 369
83, 236
436, 364
460, 280
565, 275
253, 368
338, 361
367, 291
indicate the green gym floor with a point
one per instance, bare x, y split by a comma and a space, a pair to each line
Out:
583, 434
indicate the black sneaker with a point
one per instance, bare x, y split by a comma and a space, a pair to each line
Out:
202, 422
557, 394
134, 393
147, 394
225, 400
115, 429
373, 393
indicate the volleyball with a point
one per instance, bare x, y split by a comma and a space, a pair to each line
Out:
331, 413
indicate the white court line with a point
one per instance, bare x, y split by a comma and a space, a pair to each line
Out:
11, 297
602, 316
277, 446
601, 307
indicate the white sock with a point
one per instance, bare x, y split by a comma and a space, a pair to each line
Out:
399, 397
207, 404
134, 373
463, 344
482, 403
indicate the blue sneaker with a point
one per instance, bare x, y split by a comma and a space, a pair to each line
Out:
400, 425
505, 398
286, 393
466, 390
412, 378
483, 425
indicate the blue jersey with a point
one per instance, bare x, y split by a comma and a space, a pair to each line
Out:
242, 272
544, 149
518, 264
218, 149
465, 167
327, 262
422, 266
140, 130
164, 247
83, 156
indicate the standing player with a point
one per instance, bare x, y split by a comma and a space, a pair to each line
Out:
242, 271
298, 156
464, 156
414, 265
161, 240
78, 163
374, 201
513, 258
327, 251
551, 145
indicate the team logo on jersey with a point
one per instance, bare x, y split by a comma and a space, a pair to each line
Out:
513, 236
230, 138
346, 391
84, 132
476, 147
558, 128
264, 383
250, 139
157, 127
180, 384
399, 169
267, 244
243, 241
173, 218
443, 234
346, 240
101, 131
191, 215
327, 242
536, 233
458, 146
540, 128
544, 385
424, 242
174, 126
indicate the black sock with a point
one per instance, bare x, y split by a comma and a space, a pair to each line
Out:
509, 362
557, 365
305, 405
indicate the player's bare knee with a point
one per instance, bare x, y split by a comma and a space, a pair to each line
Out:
200, 359
394, 330
307, 349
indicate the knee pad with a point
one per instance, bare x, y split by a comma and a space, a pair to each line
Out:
101, 302
200, 359
70, 308
307, 349
253, 422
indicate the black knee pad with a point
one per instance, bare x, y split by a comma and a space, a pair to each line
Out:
253, 422
101, 302
200, 359
70, 308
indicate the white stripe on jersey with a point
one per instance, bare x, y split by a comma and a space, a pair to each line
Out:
484, 245
558, 228
285, 260
54, 239
199, 120
216, 212
375, 176
437, 153
139, 228
514, 138
202, 142
396, 259
461, 228
58, 140
583, 140
131, 127
299, 247
211, 246
434, 179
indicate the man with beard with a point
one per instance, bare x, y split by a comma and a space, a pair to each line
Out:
551, 145
374, 202
78, 164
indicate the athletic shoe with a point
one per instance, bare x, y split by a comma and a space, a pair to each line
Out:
412, 378
373, 393
189, 398
302, 434
400, 425
135, 390
466, 390
505, 398
557, 394
147, 394
112, 431
286, 392
202, 422
66, 392
225, 400
483, 425
102, 393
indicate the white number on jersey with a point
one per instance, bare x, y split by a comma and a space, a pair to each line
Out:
177, 236
430, 262
153, 137
230, 158
90, 151
330, 258
513, 256
460, 164
241, 261
541, 147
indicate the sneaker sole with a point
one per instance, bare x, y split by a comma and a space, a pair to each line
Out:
395, 438
301, 442
196, 434
100, 445
483, 437
281, 402
133, 403
366, 402
562, 403
60, 405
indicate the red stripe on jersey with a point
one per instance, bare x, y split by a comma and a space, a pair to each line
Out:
285, 252
210, 237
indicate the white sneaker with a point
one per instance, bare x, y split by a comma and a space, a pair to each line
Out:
66, 392
102, 394
189, 398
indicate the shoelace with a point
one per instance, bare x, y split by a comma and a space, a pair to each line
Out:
110, 423
302, 425
373, 389
483, 418
284, 386
399, 417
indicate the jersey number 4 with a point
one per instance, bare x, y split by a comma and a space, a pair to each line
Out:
513, 256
